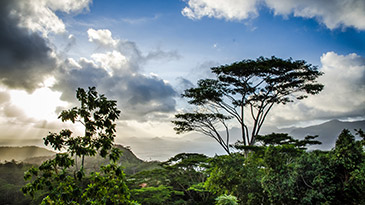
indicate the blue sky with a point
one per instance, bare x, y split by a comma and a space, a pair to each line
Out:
160, 24
145, 53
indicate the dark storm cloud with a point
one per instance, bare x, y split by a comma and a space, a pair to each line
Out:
150, 94
116, 72
137, 95
148, 88
69, 79
24, 55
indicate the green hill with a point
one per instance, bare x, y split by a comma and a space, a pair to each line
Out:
22, 153
36, 155
11, 172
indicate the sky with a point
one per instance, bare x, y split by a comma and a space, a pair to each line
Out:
145, 53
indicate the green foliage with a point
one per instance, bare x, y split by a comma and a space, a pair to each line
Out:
276, 139
357, 184
348, 160
280, 171
298, 177
61, 179
11, 182
279, 180
185, 171
285, 139
254, 84
155, 195
152, 178
315, 178
226, 200
107, 186
97, 114
348, 152
183, 174
234, 174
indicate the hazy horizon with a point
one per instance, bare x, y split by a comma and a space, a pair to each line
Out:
144, 54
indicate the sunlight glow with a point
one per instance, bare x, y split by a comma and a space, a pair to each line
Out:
41, 104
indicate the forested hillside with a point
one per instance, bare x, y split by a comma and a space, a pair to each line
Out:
12, 169
22, 153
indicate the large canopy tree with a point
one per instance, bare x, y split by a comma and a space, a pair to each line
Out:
256, 85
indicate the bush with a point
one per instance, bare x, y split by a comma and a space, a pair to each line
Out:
226, 200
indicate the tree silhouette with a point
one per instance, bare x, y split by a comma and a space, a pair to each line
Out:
60, 178
256, 85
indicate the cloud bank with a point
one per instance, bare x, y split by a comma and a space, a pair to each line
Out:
230, 9
40, 15
343, 96
333, 14
115, 69
28, 58
25, 57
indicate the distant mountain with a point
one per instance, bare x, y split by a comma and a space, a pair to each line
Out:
162, 148
327, 132
22, 153
37, 155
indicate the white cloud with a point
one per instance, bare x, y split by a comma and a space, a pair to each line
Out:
110, 61
40, 15
344, 81
40, 105
27, 56
331, 13
334, 13
142, 20
115, 71
343, 95
102, 37
229, 9
68, 6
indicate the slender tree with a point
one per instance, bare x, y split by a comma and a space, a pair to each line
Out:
58, 178
256, 85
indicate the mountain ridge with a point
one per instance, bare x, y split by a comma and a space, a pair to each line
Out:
327, 131
162, 148
20, 153
33, 155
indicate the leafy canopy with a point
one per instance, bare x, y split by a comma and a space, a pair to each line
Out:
255, 85
60, 178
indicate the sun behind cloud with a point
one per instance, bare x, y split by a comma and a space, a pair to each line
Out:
40, 105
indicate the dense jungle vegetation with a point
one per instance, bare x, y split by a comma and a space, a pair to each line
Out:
277, 172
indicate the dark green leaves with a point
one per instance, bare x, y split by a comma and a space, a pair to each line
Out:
284, 138
61, 178
207, 90
189, 121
